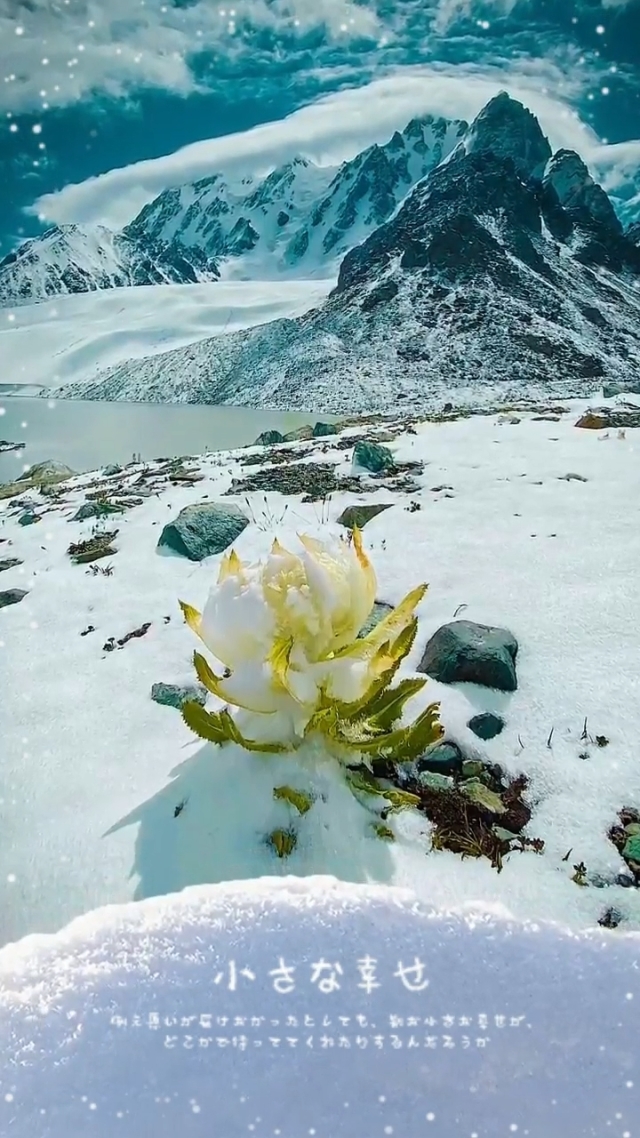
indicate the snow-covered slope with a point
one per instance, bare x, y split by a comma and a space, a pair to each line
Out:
289, 1008
69, 338
68, 259
505, 267
93, 770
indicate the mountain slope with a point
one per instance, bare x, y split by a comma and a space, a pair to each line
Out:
68, 259
505, 267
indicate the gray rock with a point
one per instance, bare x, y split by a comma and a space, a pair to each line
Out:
268, 439
10, 563
360, 515
504, 835
174, 695
432, 781
486, 725
47, 472
300, 435
322, 429
378, 612
110, 470
464, 652
28, 518
472, 768
629, 387
631, 851
97, 509
204, 529
12, 597
444, 758
482, 796
372, 457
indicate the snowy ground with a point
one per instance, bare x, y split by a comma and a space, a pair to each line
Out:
290, 1008
69, 338
92, 769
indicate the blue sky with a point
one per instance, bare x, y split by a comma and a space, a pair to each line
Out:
103, 104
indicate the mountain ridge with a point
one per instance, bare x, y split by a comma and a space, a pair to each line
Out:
297, 221
505, 266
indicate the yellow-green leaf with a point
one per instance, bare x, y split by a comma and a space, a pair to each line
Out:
384, 832
401, 799
205, 724
279, 660
390, 627
387, 707
364, 783
234, 733
420, 734
191, 616
205, 674
297, 798
283, 842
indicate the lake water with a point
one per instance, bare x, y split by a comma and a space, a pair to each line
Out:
87, 435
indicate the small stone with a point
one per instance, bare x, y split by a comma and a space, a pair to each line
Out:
572, 478
12, 597
372, 457
28, 518
203, 530
610, 919
359, 515
173, 695
486, 725
430, 780
378, 612
322, 429
444, 758
464, 652
472, 768
10, 563
482, 796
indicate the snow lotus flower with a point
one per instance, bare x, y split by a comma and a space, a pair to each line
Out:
286, 631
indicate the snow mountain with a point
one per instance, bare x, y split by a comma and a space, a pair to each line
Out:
296, 222
69, 259
504, 268
302, 218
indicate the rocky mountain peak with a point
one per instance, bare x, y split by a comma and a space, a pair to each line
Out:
506, 128
582, 198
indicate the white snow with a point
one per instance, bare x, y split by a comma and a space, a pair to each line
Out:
291, 1008
93, 770
70, 338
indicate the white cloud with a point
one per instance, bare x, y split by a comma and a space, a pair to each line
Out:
74, 49
448, 11
329, 131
